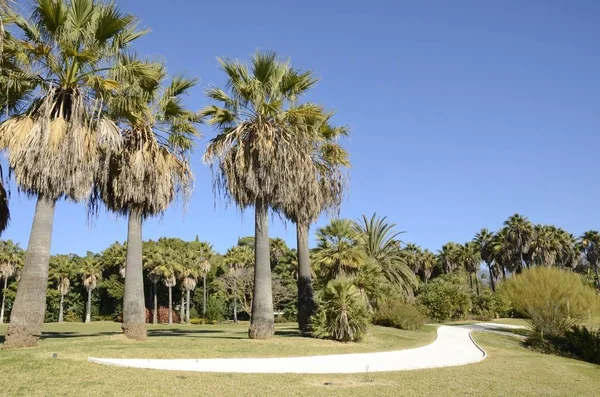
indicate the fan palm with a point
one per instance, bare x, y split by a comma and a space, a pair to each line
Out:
62, 271
90, 274
545, 245
54, 142
427, 261
484, 240
236, 258
339, 250
589, 245
470, 256
383, 247
11, 256
519, 233
142, 177
261, 153
449, 257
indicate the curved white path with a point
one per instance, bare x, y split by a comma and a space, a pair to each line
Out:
453, 347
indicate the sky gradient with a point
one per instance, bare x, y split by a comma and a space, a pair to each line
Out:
460, 113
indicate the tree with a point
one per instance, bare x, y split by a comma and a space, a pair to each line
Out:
427, 261
62, 271
260, 153
449, 257
589, 245
142, 177
518, 235
237, 258
62, 128
90, 273
470, 256
339, 250
545, 246
382, 246
11, 256
484, 240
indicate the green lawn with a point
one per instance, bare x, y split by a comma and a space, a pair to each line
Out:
510, 370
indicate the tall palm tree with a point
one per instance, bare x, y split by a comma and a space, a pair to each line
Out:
204, 269
339, 250
545, 245
568, 255
236, 258
260, 153
381, 244
53, 143
142, 178
412, 253
311, 199
449, 257
519, 233
484, 240
589, 245
470, 256
427, 261
62, 271
90, 274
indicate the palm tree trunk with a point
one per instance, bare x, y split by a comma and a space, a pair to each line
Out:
27, 315
88, 310
492, 282
204, 296
471, 281
262, 322
476, 284
503, 273
60, 310
3, 300
134, 308
155, 313
170, 305
187, 309
306, 301
235, 300
182, 309
595, 269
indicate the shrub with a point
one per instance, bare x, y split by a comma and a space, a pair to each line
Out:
397, 314
215, 309
342, 315
280, 319
552, 299
489, 305
445, 298
197, 320
583, 344
72, 317
162, 315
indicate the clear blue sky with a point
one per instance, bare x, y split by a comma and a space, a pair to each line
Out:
461, 113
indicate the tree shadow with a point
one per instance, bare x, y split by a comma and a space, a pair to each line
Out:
65, 335
180, 332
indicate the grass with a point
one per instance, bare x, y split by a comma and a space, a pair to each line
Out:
509, 370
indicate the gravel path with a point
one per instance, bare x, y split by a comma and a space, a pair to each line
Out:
453, 347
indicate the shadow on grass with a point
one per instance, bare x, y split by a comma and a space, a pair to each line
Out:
64, 335
180, 332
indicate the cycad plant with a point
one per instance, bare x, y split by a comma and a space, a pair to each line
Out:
261, 153
142, 178
65, 53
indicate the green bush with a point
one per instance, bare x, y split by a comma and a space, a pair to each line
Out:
553, 300
397, 314
197, 320
215, 309
72, 317
342, 314
489, 305
445, 298
583, 344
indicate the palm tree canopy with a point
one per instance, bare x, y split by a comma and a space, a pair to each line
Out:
339, 249
261, 150
66, 53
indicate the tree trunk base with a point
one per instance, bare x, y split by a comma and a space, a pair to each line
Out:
18, 336
261, 330
135, 331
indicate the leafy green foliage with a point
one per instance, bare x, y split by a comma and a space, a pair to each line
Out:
552, 299
445, 298
489, 305
398, 314
215, 309
342, 314
583, 343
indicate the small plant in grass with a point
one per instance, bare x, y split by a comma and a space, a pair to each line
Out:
342, 314
553, 300
197, 321
398, 314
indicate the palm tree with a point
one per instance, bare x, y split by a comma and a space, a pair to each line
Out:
260, 153
519, 233
470, 256
340, 250
142, 178
383, 247
484, 240
90, 273
545, 245
449, 257
61, 269
53, 143
236, 258
427, 261
10, 258
412, 254
204, 269
589, 245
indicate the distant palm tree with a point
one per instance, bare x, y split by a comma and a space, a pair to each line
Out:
236, 258
519, 233
545, 245
449, 257
90, 274
470, 256
54, 138
11, 257
484, 240
412, 253
589, 245
260, 153
339, 250
381, 244
62, 271
427, 261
